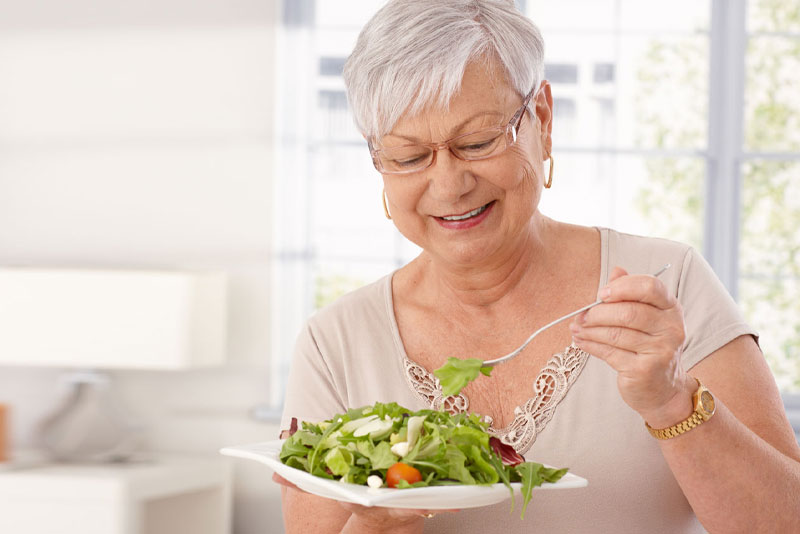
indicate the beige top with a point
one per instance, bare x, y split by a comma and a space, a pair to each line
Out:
350, 354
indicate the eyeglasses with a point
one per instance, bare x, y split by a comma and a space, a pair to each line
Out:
474, 146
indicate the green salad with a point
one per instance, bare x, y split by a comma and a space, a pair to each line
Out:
387, 445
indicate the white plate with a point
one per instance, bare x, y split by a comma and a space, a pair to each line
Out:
430, 498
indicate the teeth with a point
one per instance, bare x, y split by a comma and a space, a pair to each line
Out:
472, 213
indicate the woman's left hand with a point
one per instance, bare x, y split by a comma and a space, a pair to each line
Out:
639, 331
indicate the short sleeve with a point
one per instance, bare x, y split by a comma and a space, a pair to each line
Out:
712, 318
310, 392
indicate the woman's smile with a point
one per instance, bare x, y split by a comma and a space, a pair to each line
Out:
466, 220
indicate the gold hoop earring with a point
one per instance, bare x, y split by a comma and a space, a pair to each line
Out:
385, 207
549, 181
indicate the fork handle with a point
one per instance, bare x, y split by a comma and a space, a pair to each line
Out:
492, 363
519, 349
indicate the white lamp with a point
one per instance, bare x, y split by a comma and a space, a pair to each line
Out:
88, 319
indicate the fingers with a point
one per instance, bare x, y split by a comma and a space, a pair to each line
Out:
430, 514
380, 516
403, 513
620, 360
282, 481
636, 287
633, 315
627, 321
624, 339
629, 327
616, 272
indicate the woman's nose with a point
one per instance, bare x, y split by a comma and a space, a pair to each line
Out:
449, 178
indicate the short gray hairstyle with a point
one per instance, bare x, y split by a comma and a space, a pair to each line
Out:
413, 53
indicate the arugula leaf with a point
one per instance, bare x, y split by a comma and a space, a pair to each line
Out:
435, 468
456, 374
314, 454
292, 447
502, 472
529, 473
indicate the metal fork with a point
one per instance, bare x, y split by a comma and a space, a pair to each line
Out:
492, 363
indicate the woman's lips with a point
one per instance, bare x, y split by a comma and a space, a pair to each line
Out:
466, 220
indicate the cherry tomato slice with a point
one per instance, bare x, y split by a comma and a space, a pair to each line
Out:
401, 471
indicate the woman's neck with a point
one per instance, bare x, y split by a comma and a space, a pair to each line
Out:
484, 285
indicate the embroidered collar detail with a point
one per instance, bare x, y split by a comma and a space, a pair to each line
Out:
549, 388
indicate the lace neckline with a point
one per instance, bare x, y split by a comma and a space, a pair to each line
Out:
549, 388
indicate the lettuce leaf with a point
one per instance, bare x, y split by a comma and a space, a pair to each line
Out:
456, 374
381, 456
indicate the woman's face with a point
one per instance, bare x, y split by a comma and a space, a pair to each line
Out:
493, 200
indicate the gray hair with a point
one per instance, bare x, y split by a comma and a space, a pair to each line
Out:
413, 53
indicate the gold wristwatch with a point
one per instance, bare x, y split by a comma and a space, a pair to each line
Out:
704, 407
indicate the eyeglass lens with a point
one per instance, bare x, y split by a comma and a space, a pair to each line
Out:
470, 147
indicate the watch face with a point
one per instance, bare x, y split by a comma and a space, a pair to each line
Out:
707, 401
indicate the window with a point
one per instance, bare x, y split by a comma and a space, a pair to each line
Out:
564, 114
603, 73
331, 66
558, 73
645, 136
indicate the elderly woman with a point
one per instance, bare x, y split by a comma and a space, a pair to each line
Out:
451, 99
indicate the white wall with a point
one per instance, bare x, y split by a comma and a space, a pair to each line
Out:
139, 134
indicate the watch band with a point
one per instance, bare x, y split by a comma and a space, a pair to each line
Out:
676, 430
697, 418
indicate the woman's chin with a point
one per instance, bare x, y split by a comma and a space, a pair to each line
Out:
474, 253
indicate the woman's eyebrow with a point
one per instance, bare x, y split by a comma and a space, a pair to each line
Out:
458, 128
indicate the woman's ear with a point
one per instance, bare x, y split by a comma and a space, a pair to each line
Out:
544, 112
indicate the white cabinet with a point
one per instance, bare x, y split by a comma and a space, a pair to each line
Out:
168, 495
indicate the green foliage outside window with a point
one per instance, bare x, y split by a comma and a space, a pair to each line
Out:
769, 262
674, 73
330, 287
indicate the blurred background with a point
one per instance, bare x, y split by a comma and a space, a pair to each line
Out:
215, 135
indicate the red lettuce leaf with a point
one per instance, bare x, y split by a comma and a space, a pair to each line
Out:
506, 452
285, 434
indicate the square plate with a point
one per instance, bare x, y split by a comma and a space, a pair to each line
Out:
430, 498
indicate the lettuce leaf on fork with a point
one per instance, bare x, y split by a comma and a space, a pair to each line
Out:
457, 373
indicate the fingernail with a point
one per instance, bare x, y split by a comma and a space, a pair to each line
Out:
605, 293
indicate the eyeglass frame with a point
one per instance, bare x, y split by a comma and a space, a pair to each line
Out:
512, 125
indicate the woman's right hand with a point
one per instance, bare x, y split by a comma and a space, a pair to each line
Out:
375, 519
379, 519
